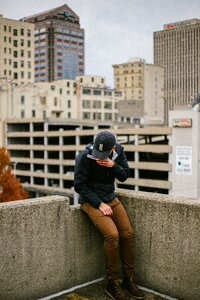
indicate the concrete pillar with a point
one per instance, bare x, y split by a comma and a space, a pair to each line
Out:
185, 156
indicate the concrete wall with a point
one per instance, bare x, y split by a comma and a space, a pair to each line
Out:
48, 246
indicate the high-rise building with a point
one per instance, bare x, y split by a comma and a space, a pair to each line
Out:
59, 44
177, 49
16, 52
142, 86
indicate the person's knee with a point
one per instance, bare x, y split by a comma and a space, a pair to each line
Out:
127, 234
112, 239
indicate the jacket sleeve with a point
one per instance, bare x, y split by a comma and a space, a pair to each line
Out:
121, 170
81, 177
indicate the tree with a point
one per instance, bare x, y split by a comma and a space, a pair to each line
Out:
10, 186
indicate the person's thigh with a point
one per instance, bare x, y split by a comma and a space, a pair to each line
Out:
120, 217
104, 224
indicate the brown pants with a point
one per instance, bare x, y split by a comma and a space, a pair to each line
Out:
118, 238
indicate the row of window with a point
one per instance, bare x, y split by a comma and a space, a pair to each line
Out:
128, 71
17, 32
98, 104
44, 114
17, 75
17, 64
99, 116
16, 53
96, 92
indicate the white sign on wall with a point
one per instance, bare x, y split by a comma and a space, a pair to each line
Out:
184, 160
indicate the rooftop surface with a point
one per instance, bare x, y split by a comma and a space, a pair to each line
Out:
97, 291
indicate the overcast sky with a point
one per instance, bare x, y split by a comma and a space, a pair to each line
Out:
115, 30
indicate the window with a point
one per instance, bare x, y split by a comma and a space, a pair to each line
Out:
69, 103
53, 87
22, 31
22, 114
22, 43
15, 76
96, 116
15, 54
96, 92
55, 101
28, 43
5, 39
22, 53
33, 113
15, 32
15, 64
108, 116
86, 115
22, 100
96, 104
86, 103
28, 32
43, 100
108, 105
86, 92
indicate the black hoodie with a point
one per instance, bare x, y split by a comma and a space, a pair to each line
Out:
95, 183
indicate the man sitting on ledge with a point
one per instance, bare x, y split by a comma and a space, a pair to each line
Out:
96, 169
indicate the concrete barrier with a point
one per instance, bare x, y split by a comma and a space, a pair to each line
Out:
48, 246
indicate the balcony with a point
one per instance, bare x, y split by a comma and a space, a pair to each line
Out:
48, 246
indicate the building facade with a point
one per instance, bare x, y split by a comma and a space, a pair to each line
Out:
87, 98
59, 44
97, 102
177, 49
16, 51
143, 82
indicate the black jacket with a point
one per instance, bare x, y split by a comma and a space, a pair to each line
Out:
94, 183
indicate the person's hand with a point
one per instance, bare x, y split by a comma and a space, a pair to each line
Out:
105, 209
106, 162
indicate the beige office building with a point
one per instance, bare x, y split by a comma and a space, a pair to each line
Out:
86, 98
16, 51
97, 102
46, 100
177, 49
16, 63
143, 82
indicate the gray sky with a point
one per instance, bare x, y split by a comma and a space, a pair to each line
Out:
115, 30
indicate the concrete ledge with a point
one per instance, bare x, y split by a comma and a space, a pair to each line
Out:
48, 246
167, 242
